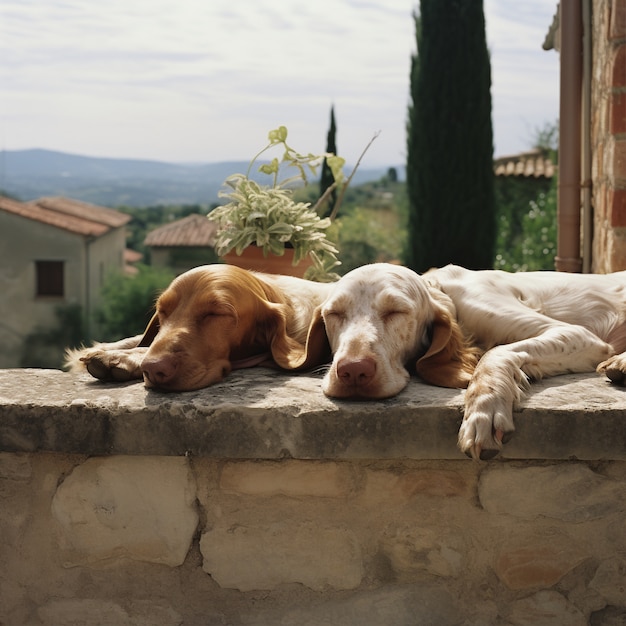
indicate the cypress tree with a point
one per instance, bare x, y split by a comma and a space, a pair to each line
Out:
327, 178
450, 180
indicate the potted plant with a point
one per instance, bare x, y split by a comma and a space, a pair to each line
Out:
265, 220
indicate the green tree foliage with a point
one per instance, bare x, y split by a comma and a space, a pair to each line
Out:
45, 347
327, 178
534, 247
373, 225
514, 196
450, 139
128, 301
526, 211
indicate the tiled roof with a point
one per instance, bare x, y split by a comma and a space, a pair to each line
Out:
195, 230
101, 215
70, 215
533, 164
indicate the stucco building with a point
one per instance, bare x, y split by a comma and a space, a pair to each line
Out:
54, 252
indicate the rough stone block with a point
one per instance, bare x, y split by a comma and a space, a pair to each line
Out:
609, 616
97, 612
382, 485
538, 561
287, 478
413, 550
256, 558
610, 581
103, 613
572, 493
15, 466
388, 606
547, 608
140, 508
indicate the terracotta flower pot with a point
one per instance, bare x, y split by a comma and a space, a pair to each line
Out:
252, 259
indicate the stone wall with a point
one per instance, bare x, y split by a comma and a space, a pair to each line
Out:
608, 132
260, 502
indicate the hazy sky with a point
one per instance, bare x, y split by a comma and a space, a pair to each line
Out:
204, 80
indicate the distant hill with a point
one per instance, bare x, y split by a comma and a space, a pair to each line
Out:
30, 174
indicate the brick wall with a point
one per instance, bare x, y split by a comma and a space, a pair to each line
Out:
608, 133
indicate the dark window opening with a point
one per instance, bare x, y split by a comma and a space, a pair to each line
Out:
50, 278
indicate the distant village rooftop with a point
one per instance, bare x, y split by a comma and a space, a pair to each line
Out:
74, 216
195, 230
531, 164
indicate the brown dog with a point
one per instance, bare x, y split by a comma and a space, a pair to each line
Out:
210, 320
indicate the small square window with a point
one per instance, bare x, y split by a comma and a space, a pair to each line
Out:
50, 278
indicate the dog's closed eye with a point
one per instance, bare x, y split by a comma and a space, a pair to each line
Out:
393, 314
217, 311
334, 315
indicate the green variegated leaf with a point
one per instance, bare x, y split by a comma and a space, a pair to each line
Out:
269, 217
281, 228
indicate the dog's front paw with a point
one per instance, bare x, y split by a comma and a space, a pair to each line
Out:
614, 369
488, 423
116, 366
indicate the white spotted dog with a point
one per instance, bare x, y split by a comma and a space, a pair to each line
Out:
488, 331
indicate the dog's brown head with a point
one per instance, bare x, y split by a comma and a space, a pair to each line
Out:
213, 319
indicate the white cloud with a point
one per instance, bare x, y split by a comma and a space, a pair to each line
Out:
197, 80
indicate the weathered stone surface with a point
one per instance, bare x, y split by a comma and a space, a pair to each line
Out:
309, 511
394, 606
538, 561
609, 616
96, 612
15, 466
154, 611
569, 492
288, 478
610, 581
383, 485
413, 549
103, 613
126, 507
427, 553
547, 608
254, 558
264, 414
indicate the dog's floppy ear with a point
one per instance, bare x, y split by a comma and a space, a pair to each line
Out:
450, 360
292, 355
150, 333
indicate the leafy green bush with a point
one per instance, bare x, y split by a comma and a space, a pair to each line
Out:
128, 301
534, 247
45, 347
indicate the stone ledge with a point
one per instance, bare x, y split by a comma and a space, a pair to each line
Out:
264, 414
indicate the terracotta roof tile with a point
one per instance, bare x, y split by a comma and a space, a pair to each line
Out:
195, 230
533, 164
92, 212
70, 223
